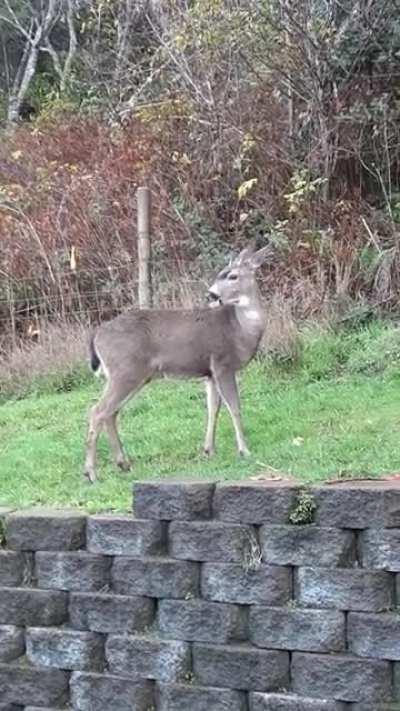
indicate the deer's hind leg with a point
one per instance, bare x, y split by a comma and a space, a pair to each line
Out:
120, 458
103, 416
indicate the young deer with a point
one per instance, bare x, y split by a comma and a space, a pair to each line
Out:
211, 343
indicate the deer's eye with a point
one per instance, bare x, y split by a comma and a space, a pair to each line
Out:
232, 277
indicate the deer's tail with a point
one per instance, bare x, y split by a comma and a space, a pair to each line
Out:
94, 358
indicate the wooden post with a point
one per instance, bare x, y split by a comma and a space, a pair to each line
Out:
144, 247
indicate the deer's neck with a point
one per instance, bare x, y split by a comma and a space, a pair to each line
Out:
250, 313
250, 317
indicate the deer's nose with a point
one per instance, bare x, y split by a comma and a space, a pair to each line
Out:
213, 298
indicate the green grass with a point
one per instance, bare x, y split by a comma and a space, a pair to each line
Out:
336, 412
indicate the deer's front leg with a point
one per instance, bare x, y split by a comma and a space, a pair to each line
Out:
227, 387
213, 408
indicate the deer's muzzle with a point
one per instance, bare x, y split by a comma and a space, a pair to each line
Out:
213, 298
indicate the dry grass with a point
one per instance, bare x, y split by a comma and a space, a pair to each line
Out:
282, 338
57, 361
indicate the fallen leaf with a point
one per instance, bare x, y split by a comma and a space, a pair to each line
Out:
298, 441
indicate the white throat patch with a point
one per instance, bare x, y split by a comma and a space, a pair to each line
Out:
249, 313
244, 301
253, 315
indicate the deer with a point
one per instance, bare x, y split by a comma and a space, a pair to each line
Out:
213, 344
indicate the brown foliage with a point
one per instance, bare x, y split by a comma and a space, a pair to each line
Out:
68, 213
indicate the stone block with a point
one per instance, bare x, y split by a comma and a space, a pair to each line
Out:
240, 667
13, 567
155, 577
292, 702
396, 680
297, 629
12, 643
97, 692
33, 685
341, 677
201, 621
4, 512
374, 706
110, 613
380, 549
255, 502
199, 698
230, 582
374, 636
65, 649
45, 530
307, 545
214, 541
169, 500
397, 590
358, 504
390, 505
124, 535
147, 658
24, 607
76, 571
344, 589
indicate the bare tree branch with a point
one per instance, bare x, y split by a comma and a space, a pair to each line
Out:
37, 37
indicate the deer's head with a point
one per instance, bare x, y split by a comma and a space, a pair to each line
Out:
236, 283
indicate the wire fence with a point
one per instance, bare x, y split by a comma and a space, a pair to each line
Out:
88, 296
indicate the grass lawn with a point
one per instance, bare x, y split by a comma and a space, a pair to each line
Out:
324, 418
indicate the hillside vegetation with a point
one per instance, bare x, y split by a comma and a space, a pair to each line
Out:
249, 119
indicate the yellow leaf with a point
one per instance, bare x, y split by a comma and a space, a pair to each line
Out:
74, 258
245, 187
185, 160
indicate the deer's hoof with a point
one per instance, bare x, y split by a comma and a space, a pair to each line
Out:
245, 452
124, 465
90, 475
209, 451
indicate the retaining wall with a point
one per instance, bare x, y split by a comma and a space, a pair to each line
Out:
210, 599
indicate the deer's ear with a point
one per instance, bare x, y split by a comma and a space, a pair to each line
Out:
244, 256
260, 257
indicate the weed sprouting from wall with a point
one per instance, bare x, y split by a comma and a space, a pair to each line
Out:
303, 512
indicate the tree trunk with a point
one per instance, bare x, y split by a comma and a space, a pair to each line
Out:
25, 74
73, 45
35, 39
